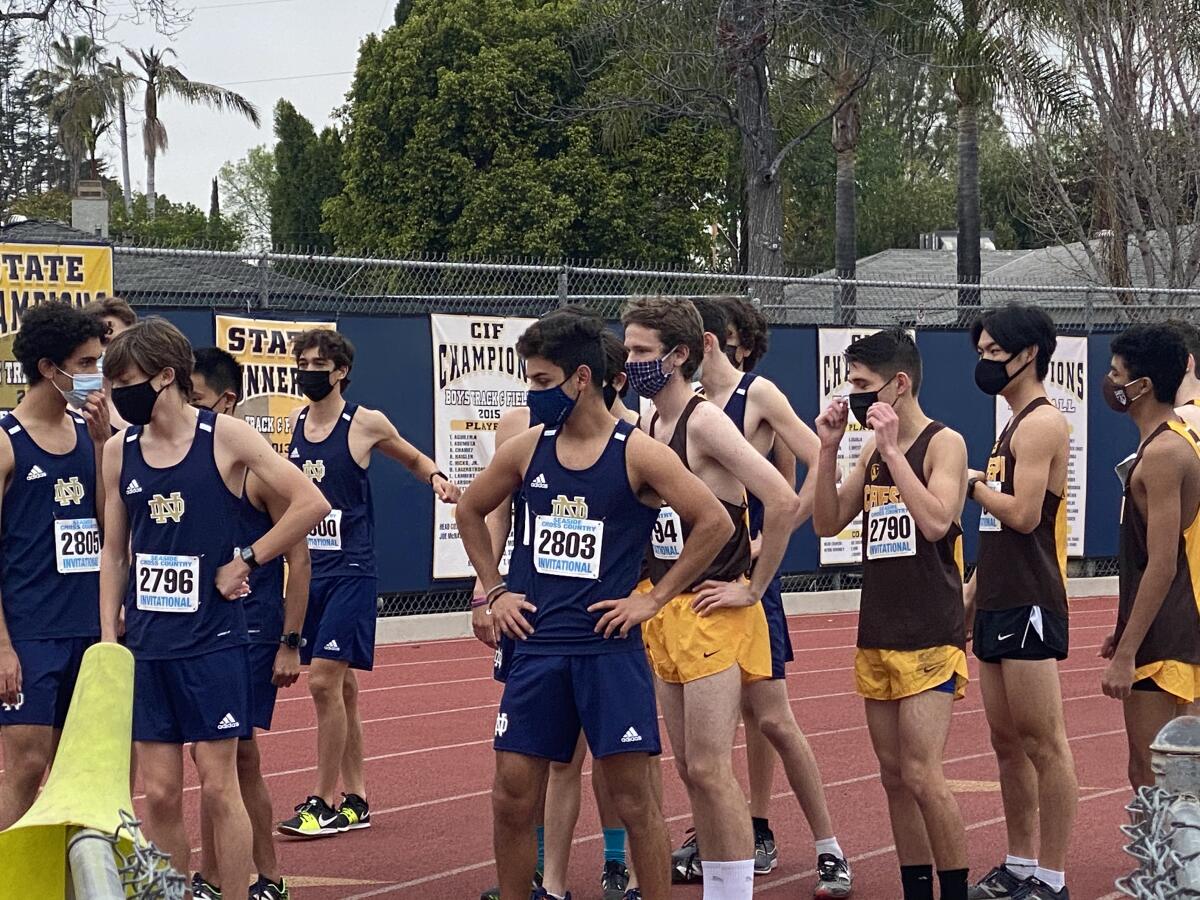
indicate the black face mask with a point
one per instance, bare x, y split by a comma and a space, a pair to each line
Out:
314, 383
610, 396
861, 402
991, 375
135, 402
731, 352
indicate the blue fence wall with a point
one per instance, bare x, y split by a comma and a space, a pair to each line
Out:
393, 373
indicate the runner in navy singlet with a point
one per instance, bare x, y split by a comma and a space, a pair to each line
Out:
273, 622
559, 806
593, 487
332, 443
172, 483
49, 540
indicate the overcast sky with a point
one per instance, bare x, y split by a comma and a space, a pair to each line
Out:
264, 49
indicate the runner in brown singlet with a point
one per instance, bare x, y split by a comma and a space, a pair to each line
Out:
911, 663
1155, 650
1020, 590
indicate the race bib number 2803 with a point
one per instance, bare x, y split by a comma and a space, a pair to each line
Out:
566, 546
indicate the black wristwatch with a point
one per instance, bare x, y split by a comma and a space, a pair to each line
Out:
971, 482
247, 555
292, 640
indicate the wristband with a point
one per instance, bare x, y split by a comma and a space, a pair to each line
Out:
971, 483
477, 602
492, 600
437, 473
492, 594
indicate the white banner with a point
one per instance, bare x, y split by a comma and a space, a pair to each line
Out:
477, 375
1066, 385
846, 548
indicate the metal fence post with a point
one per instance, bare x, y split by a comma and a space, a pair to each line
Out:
94, 873
264, 296
563, 286
1176, 756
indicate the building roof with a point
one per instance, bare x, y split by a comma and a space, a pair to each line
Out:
33, 231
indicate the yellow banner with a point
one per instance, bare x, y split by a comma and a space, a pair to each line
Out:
269, 392
33, 273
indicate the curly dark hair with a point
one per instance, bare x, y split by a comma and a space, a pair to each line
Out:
332, 345
751, 327
52, 330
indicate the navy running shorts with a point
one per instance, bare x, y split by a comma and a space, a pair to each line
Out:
547, 699
49, 669
777, 629
340, 622
196, 698
262, 687
503, 658
1023, 632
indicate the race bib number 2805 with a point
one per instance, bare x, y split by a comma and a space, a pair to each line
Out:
76, 545
563, 545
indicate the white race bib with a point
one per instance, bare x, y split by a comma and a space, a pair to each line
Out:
567, 546
76, 545
988, 522
891, 532
667, 538
167, 583
327, 534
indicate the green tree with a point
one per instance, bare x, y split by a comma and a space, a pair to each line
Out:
159, 80
456, 143
308, 171
31, 161
247, 185
172, 225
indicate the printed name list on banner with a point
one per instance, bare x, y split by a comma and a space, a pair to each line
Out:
845, 548
1066, 386
30, 274
269, 391
477, 375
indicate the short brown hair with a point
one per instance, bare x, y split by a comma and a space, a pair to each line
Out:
331, 344
116, 307
677, 322
151, 345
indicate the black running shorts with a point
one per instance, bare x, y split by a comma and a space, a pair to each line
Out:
1023, 632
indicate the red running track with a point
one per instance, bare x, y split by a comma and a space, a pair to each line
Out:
429, 712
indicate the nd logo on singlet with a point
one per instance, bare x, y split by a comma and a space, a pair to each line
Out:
163, 508
571, 509
314, 470
68, 492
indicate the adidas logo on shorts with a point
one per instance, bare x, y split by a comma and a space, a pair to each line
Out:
228, 722
333, 647
539, 482
35, 473
133, 488
631, 736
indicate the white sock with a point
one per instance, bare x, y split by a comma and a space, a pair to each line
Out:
1052, 879
729, 880
1019, 866
830, 845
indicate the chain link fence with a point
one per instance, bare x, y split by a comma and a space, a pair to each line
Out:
306, 283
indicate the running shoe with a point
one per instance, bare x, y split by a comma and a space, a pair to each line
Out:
685, 862
493, 893
353, 814
766, 854
202, 890
266, 889
1000, 882
632, 894
833, 877
314, 818
539, 893
1035, 889
614, 879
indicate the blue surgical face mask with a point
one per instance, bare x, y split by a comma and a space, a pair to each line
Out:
551, 406
81, 386
647, 378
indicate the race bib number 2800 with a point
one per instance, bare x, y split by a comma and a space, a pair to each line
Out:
567, 546
167, 583
327, 534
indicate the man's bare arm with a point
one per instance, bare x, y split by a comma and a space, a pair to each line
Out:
388, 441
1035, 444
10, 666
935, 507
114, 556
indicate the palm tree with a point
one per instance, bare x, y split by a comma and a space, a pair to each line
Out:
160, 79
77, 93
993, 48
124, 83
